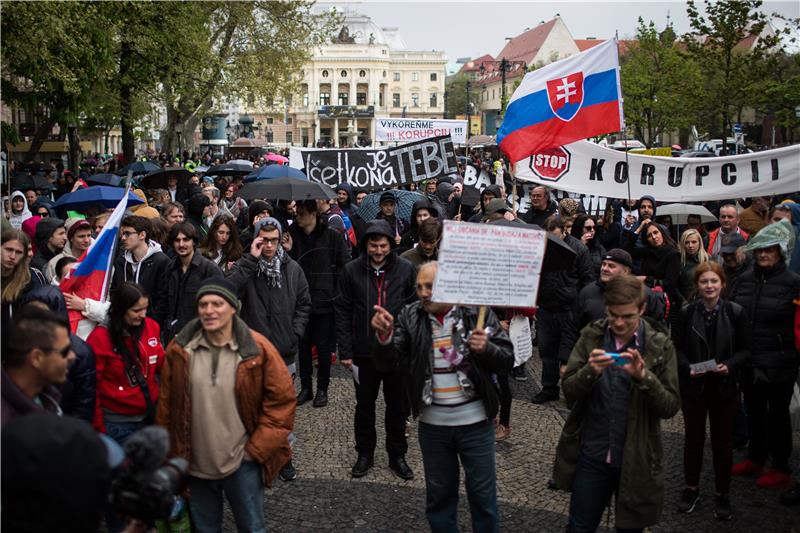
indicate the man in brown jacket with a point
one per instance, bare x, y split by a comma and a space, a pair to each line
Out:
228, 403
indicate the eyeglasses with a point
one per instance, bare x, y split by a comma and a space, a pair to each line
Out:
63, 352
627, 318
272, 242
126, 234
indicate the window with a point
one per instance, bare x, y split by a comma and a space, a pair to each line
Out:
415, 76
305, 100
324, 99
288, 120
269, 120
380, 99
362, 73
343, 73
343, 98
384, 73
289, 137
396, 100
270, 136
433, 76
396, 76
324, 73
434, 100
415, 99
361, 98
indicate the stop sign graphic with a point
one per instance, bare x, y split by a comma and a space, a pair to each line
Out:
551, 164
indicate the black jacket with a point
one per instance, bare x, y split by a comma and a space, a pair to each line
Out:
590, 306
409, 354
534, 216
731, 345
767, 296
182, 290
322, 254
279, 313
361, 288
152, 273
662, 265
558, 289
411, 237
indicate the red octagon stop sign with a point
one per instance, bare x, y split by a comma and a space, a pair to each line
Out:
551, 164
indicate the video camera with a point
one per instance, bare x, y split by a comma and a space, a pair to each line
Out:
146, 485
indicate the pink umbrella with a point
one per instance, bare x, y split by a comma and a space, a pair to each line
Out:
277, 158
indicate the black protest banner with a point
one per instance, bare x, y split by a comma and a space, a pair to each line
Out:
424, 160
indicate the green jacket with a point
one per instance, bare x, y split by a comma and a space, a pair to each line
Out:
641, 488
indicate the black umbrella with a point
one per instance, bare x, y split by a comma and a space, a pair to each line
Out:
158, 179
557, 254
258, 152
112, 180
27, 182
137, 168
229, 169
285, 189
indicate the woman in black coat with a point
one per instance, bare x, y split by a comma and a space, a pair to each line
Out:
584, 228
716, 332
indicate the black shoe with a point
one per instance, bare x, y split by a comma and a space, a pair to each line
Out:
791, 496
401, 468
519, 373
362, 466
305, 396
545, 396
288, 472
722, 507
321, 399
688, 501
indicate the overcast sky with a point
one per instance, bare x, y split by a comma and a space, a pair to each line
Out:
472, 28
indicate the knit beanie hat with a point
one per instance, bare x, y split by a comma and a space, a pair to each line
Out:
267, 221
74, 224
222, 288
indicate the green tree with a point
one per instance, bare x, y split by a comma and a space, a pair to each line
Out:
456, 90
662, 87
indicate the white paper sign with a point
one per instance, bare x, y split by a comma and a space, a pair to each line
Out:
519, 330
704, 366
415, 129
487, 264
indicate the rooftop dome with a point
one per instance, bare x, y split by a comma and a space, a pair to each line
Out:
360, 29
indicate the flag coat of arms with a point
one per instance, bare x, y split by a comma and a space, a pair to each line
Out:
564, 102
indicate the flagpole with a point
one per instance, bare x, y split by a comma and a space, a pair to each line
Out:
107, 288
624, 133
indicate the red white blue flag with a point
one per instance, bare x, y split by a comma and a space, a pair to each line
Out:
91, 278
563, 102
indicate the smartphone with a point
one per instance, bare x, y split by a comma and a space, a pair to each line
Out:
618, 359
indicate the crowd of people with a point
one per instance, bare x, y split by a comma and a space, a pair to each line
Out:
217, 304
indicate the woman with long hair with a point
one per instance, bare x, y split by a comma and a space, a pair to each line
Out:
692, 254
715, 332
230, 202
584, 228
222, 245
18, 277
128, 357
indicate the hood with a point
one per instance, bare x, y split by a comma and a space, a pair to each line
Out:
494, 190
794, 207
47, 204
443, 192
196, 204
50, 296
45, 229
346, 187
422, 204
778, 233
16, 220
655, 206
140, 194
152, 248
255, 207
377, 227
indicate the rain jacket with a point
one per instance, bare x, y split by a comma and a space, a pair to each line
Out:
16, 220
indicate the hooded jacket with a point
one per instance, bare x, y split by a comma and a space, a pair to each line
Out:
443, 192
78, 393
410, 237
16, 220
44, 230
194, 213
347, 207
150, 273
182, 290
144, 210
495, 191
279, 313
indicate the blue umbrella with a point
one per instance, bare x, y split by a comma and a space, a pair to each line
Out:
275, 171
138, 167
102, 195
112, 180
404, 202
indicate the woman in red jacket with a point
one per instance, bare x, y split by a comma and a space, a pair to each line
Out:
129, 355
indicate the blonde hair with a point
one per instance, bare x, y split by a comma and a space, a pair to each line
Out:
702, 255
21, 275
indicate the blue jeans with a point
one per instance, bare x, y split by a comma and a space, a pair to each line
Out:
442, 448
121, 431
245, 493
594, 483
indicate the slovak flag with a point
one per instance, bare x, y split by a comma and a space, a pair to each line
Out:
91, 278
564, 102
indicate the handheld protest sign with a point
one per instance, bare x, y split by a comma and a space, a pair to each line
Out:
487, 264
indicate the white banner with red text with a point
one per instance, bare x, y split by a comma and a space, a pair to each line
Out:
414, 129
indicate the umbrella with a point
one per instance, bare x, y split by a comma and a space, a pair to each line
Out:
470, 196
137, 168
230, 169
27, 182
258, 152
277, 158
112, 180
681, 212
275, 171
103, 195
241, 162
158, 178
404, 202
285, 189
557, 254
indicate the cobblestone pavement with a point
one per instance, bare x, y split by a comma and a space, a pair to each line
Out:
325, 498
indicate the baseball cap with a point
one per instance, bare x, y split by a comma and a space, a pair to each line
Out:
620, 256
387, 197
730, 243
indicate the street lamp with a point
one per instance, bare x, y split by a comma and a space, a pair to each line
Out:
468, 110
505, 66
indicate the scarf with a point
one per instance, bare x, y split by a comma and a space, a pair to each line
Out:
270, 269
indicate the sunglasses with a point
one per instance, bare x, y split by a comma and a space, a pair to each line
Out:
43, 214
63, 352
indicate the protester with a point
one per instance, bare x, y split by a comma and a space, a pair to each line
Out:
51, 237
728, 223
660, 260
755, 217
541, 207
344, 198
142, 262
429, 233
584, 228
488, 193
695, 222
198, 208
608, 229
377, 277
228, 403
128, 357
222, 244
186, 273
143, 210
692, 255
557, 292
234, 205
257, 210
322, 255
710, 329
735, 262
19, 211
36, 360
447, 361
79, 238
645, 212
173, 213
388, 204
611, 441
421, 210
176, 194
768, 293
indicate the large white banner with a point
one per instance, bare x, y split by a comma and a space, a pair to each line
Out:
414, 129
586, 168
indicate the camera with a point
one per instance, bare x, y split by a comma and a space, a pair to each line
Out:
146, 485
